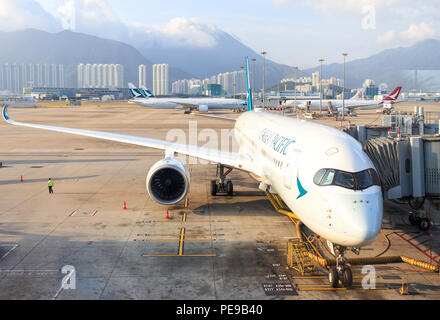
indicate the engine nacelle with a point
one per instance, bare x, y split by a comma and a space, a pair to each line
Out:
202, 108
168, 181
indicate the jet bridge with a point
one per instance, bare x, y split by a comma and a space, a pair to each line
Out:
406, 153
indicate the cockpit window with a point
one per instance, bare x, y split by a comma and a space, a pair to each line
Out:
318, 176
344, 179
364, 179
328, 178
355, 181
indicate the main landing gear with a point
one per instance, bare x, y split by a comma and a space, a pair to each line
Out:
221, 185
414, 219
340, 271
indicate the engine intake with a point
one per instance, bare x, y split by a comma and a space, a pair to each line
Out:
168, 181
203, 108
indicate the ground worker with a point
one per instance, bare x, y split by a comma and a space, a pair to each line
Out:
50, 183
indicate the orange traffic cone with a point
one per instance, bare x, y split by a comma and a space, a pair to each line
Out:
125, 206
167, 216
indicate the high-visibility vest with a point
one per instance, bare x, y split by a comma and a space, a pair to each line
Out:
50, 183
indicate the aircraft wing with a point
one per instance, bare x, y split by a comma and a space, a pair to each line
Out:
362, 106
187, 105
231, 159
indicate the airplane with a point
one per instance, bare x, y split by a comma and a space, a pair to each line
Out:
354, 103
145, 98
321, 173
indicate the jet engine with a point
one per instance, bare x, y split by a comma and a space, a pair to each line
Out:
168, 181
202, 108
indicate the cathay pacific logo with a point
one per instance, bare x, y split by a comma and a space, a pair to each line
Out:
302, 191
276, 141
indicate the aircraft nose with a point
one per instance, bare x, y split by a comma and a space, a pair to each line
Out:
365, 224
360, 218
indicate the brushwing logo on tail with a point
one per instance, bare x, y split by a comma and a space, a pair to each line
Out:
394, 95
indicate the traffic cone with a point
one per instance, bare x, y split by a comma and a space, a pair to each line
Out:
167, 216
125, 206
21, 178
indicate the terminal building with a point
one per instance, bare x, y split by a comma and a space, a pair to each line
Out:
42, 93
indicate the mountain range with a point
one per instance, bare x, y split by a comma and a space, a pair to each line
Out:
414, 67
72, 48
393, 66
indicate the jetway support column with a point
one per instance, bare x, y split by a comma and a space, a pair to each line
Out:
417, 167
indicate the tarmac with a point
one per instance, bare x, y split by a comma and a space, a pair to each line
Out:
218, 248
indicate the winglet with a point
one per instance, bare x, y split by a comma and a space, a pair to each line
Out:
249, 90
5, 113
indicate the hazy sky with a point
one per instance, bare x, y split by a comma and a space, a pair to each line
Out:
294, 32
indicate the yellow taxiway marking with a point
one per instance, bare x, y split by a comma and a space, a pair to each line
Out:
335, 289
180, 255
178, 234
192, 240
326, 285
182, 235
180, 221
324, 277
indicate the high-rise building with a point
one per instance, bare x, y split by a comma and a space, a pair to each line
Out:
100, 75
119, 76
16, 76
142, 76
315, 79
160, 79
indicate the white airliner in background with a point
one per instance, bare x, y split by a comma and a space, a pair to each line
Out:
321, 173
145, 98
355, 102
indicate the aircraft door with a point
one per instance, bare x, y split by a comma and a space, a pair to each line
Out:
291, 165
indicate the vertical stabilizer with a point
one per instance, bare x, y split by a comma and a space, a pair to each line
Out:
248, 85
135, 91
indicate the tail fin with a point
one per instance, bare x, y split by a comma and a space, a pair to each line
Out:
393, 95
357, 96
147, 93
248, 85
135, 91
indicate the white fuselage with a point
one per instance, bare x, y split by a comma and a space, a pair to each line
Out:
336, 104
287, 153
188, 103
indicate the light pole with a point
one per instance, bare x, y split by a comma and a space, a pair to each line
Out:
343, 89
264, 55
253, 79
320, 88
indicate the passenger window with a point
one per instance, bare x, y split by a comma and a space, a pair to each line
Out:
328, 178
344, 179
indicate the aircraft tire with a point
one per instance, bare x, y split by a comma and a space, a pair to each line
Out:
229, 188
424, 224
347, 278
414, 220
213, 188
333, 277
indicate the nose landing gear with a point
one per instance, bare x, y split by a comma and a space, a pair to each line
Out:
340, 271
221, 185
